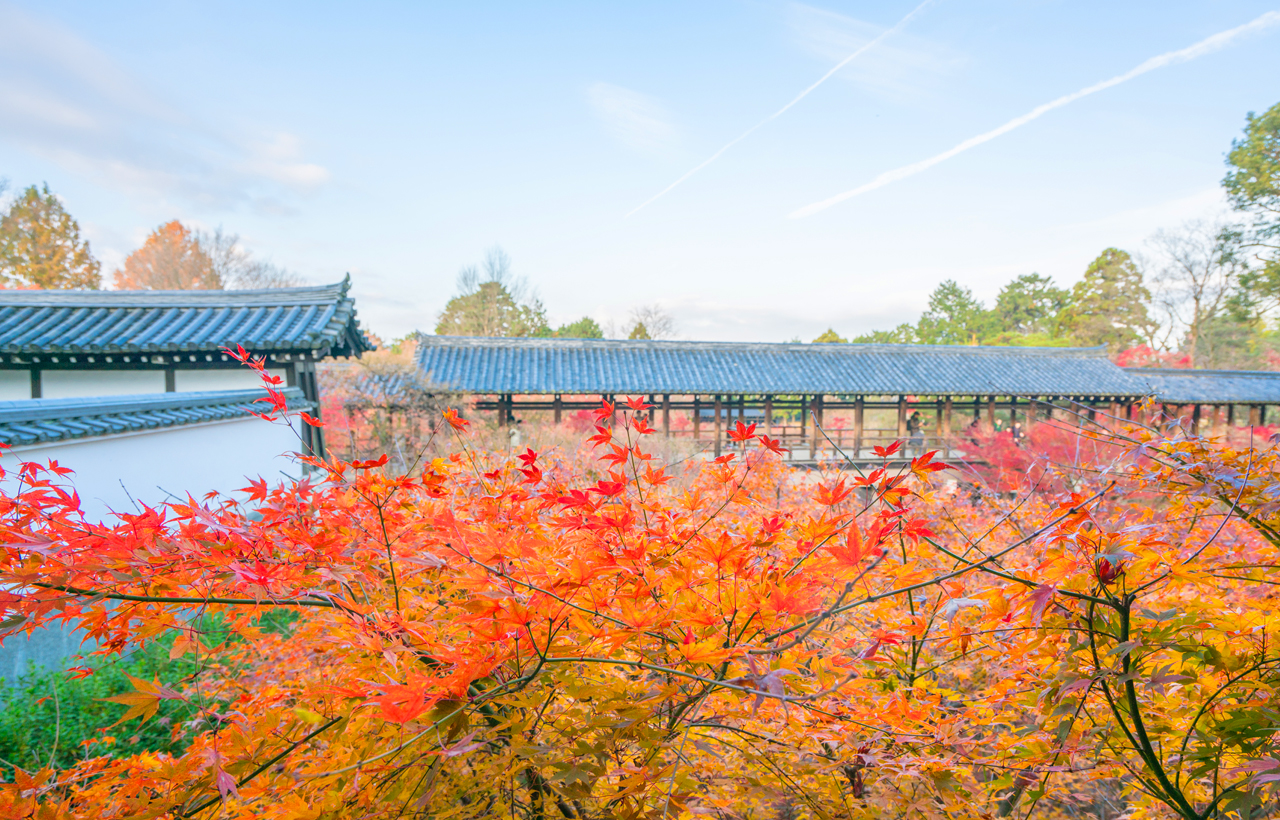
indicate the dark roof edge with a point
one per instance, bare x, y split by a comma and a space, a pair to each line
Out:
44, 409
1184, 371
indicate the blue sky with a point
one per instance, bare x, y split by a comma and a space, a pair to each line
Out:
398, 141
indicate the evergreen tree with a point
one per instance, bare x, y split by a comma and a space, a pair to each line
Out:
1253, 185
903, 334
1028, 305
954, 317
1109, 305
830, 337
41, 246
493, 306
584, 328
170, 259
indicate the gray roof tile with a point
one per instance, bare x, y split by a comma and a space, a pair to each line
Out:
37, 421
1210, 386
545, 366
318, 320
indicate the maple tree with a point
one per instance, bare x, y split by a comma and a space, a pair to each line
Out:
41, 245
171, 258
591, 633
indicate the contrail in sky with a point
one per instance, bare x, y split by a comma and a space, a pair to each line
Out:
1206, 46
862, 50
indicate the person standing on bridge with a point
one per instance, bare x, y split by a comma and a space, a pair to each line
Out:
915, 435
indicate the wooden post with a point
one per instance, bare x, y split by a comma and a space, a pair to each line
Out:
37, 389
742, 408
768, 415
170, 380
1231, 416
718, 431
991, 413
902, 417
937, 422
1195, 419
817, 425
946, 428
666, 415
652, 401
558, 406
804, 417
697, 419
1013, 410
502, 411
1255, 419
1031, 413
1262, 415
857, 426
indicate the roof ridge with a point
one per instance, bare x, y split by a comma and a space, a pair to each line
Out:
309, 294
822, 348
89, 406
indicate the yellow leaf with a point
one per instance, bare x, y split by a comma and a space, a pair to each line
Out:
144, 700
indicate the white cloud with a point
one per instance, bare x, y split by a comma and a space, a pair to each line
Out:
66, 101
636, 120
902, 68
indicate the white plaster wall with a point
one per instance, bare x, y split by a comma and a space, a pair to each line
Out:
15, 385
241, 378
157, 465
72, 384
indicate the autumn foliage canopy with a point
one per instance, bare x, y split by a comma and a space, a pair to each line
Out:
595, 633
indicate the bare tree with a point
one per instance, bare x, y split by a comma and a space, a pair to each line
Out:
1199, 266
236, 267
650, 322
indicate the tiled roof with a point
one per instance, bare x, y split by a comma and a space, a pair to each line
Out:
542, 366
317, 320
36, 421
1210, 386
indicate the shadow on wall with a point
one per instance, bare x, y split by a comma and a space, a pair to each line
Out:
50, 648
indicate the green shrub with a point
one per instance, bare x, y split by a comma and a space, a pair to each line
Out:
50, 717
